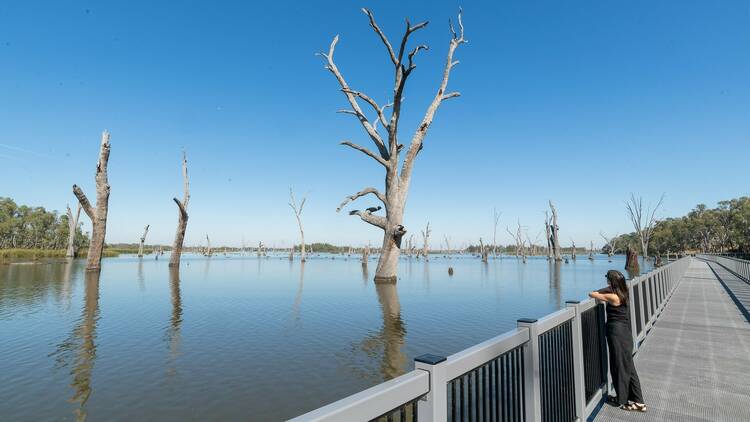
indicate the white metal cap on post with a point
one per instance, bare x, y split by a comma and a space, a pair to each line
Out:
434, 406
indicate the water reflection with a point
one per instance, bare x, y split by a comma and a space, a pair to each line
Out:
385, 347
141, 279
365, 273
30, 284
173, 335
555, 277
298, 296
79, 349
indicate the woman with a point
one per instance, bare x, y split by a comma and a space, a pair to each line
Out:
620, 340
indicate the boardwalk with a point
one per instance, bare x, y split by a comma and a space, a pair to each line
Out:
695, 364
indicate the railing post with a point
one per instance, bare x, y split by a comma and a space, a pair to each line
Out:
578, 374
647, 306
434, 406
532, 389
633, 326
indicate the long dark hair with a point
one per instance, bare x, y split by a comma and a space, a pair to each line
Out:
619, 285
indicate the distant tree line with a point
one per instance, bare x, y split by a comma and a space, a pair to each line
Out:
724, 229
25, 227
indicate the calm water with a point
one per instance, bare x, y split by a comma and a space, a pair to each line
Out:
242, 338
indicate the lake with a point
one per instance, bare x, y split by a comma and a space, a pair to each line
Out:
247, 338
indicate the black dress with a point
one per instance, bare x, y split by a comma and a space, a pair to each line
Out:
621, 366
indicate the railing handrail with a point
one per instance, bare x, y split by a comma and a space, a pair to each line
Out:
464, 361
382, 398
373, 402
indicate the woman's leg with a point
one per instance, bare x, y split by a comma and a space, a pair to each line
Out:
634, 386
618, 369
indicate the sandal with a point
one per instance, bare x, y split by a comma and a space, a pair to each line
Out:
634, 407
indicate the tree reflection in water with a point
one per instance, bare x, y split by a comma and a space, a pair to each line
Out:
173, 336
141, 278
385, 346
298, 296
79, 349
555, 277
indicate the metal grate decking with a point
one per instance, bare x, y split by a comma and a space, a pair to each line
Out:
695, 364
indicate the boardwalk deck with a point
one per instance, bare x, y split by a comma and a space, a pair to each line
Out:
695, 364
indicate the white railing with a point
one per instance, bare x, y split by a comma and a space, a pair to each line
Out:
540, 370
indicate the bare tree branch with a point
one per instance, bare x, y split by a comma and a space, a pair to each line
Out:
382, 36
363, 192
84, 202
331, 66
366, 152
367, 217
418, 138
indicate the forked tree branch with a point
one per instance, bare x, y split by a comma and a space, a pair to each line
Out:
382, 36
363, 192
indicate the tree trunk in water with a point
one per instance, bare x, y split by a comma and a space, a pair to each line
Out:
631, 260
179, 238
208, 246
387, 269
143, 240
555, 229
298, 214
426, 244
72, 229
547, 229
97, 215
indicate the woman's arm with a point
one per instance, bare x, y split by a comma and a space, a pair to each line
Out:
610, 298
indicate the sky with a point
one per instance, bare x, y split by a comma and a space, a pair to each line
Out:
578, 102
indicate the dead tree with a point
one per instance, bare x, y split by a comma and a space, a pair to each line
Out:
426, 242
143, 240
631, 260
72, 230
611, 248
496, 219
483, 250
573, 250
518, 237
208, 246
388, 146
643, 221
549, 236
554, 239
97, 215
447, 245
365, 254
182, 217
298, 214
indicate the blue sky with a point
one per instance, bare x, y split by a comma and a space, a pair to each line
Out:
580, 102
